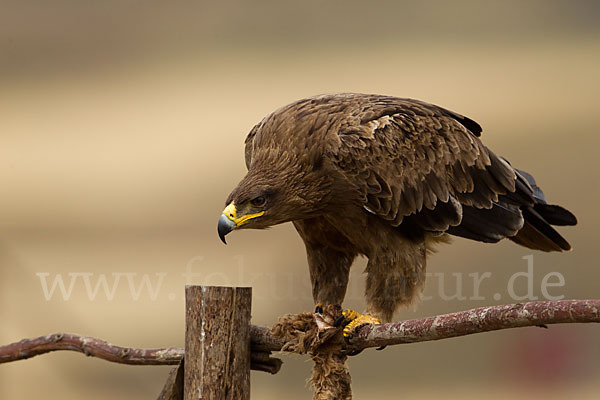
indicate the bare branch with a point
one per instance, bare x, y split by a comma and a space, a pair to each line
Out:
462, 323
478, 320
89, 346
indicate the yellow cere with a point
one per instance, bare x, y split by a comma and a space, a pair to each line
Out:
231, 212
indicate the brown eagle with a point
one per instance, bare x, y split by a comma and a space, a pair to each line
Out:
386, 178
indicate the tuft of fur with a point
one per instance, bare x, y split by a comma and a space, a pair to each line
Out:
314, 334
331, 377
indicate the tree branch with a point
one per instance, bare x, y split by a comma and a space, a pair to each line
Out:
462, 323
89, 346
478, 320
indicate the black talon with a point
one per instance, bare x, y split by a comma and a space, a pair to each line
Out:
542, 326
381, 347
319, 309
351, 353
340, 320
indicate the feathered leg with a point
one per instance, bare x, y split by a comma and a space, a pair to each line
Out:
395, 277
329, 273
330, 257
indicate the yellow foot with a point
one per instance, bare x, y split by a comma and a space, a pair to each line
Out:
352, 321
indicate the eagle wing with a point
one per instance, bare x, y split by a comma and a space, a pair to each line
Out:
419, 165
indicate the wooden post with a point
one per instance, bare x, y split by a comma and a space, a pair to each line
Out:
217, 343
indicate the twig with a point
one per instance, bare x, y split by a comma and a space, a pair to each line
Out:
89, 346
462, 323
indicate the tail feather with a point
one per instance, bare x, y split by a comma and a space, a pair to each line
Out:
556, 215
537, 233
531, 238
523, 216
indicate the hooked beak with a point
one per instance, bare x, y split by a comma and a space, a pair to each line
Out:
229, 220
224, 227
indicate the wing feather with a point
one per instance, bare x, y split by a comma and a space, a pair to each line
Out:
421, 161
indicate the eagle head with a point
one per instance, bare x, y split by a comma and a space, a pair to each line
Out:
280, 186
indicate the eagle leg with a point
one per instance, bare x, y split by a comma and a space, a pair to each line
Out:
330, 256
395, 277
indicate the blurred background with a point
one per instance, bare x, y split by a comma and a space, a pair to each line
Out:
121, 133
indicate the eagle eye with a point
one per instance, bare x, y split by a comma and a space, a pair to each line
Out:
258, 201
